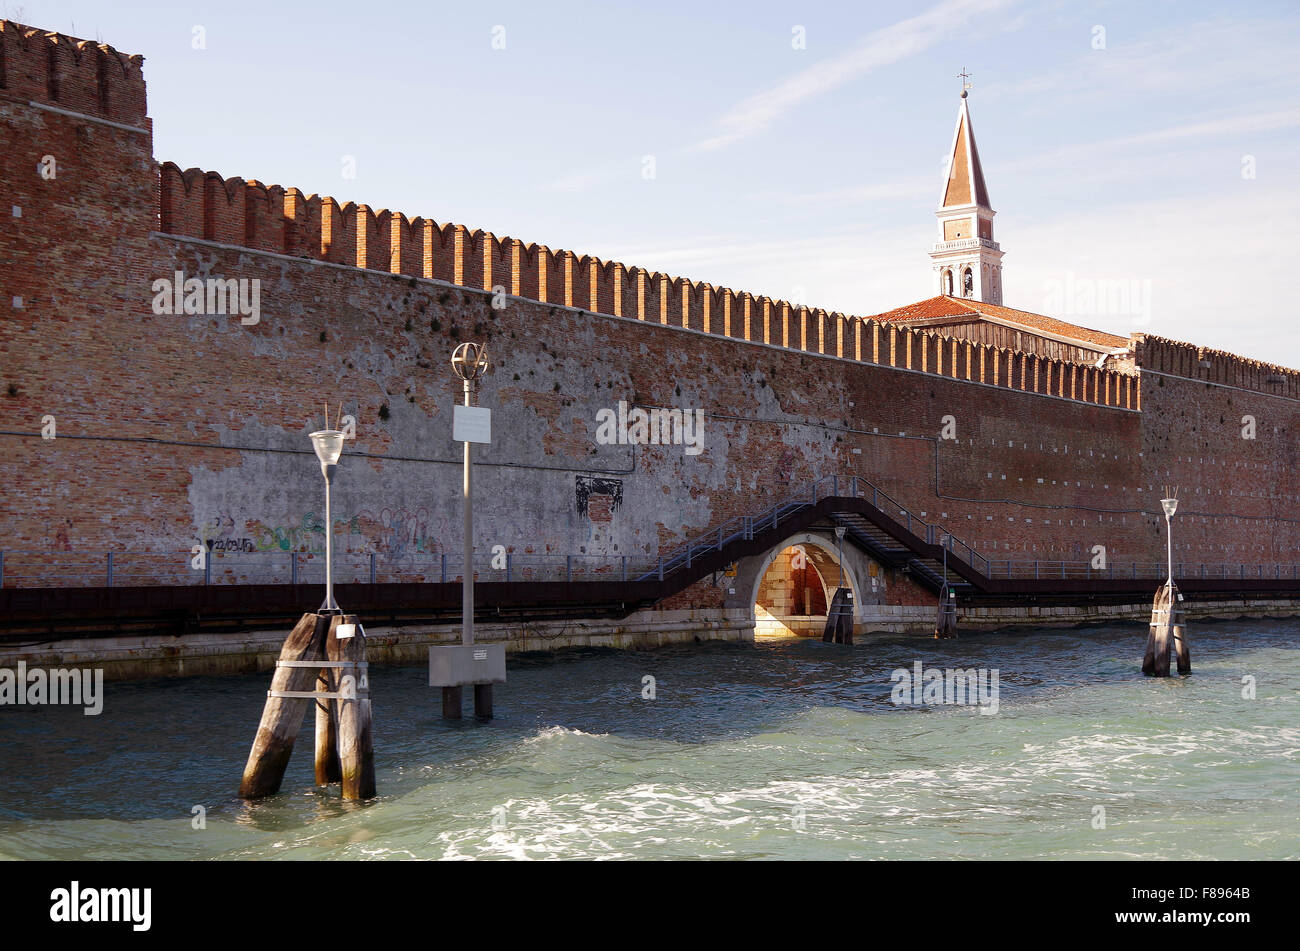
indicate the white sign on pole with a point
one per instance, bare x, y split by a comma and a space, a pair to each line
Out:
471, 424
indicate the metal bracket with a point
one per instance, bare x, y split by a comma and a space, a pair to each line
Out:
360, 694
333, 664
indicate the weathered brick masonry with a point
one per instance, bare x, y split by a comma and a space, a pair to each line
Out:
363, 307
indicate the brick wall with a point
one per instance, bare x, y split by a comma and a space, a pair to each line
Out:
174, 429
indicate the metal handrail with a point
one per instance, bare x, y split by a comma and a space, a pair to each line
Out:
1226, 571
26, 568
742, 526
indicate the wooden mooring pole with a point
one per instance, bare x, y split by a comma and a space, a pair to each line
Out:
839, 619
328, 769
315, 655
945, 625
352, 707
282, 716
1167, 634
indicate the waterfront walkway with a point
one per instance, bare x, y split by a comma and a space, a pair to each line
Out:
69, 594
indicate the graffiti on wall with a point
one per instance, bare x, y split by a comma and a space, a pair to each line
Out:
397, 533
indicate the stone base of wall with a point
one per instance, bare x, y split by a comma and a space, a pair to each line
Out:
920, 619
131, 658
771, 626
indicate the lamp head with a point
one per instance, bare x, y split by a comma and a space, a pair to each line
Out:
1170, 506
328, 444
839, 531
470, 360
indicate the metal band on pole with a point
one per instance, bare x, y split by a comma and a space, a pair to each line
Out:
359, 694
333, 664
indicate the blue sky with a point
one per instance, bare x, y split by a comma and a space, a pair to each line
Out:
810, 173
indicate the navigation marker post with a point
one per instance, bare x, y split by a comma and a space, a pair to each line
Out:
1167, 631
839, 616
326, 649
454, 667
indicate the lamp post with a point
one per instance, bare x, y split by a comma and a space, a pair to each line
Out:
946, 538
1170, 506
946, 625
1167, 631
328, 444
839, 547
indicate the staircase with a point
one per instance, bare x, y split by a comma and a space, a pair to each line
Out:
873, 521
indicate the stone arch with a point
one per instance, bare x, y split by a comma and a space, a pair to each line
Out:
821, 549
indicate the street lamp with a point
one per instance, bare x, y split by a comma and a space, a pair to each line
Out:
1170, 506
839, 545
947, 543
328, 444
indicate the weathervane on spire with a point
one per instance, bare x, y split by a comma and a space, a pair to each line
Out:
964, 77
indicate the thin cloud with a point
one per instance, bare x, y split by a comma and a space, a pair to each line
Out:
1067, 156
881, 48
1226, 125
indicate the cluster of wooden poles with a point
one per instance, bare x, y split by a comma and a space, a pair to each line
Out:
326, 652
323, 663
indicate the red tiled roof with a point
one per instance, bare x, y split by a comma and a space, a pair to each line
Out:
936, 308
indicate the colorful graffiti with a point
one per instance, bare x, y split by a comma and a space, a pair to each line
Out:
396, 533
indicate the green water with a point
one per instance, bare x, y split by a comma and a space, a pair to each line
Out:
779, 750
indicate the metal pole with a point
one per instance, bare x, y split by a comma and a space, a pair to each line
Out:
330, 605
467, 590
1169, 548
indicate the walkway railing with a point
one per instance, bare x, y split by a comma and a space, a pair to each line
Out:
30, 569
745, 526
1158, 570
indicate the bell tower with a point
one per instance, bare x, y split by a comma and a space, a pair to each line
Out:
967, 261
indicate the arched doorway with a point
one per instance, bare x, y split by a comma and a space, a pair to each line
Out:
794, 585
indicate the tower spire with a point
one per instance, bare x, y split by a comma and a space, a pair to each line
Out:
967, 261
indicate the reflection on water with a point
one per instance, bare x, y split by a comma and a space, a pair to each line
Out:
787, 750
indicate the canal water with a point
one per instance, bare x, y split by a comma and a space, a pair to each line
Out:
786, 750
